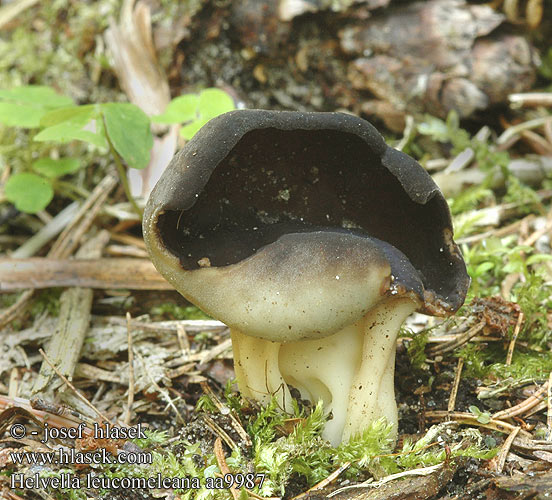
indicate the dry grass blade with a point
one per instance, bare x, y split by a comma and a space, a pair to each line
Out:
73, 323
9, 314
514, 130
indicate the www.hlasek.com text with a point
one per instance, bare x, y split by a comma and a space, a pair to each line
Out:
71, 456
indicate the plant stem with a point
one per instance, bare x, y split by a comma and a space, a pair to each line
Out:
122, 175
70, 188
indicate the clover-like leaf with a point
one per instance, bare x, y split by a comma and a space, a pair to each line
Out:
48, 167
29, 193
25, 106
128, 128
214, 102
181, 109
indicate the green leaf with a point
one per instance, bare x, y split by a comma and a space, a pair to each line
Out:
14, 114
214, 102
180, 109
188, 131
75, 114
36, 94
435, 128
482, 417
483, 268
475, 410
51, 168
25, 106
29, 193
540, 257
69, 131
66, 124
128, 128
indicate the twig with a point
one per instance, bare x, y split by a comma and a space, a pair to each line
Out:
531, 99
11, 10
223, 466
517, 129
102, 273
455, 385
73, 388
503, 231
532, 238
501, 459
130, 401
539, 144
514, 338
215, 351
325, 482
524, 406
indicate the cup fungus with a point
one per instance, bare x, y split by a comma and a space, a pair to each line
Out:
313, 241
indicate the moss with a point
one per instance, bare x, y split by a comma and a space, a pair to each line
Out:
173, 311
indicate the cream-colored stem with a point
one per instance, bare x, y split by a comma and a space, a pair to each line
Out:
372, 394
257, 370
351, 371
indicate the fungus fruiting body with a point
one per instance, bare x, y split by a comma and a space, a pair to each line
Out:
313, 241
